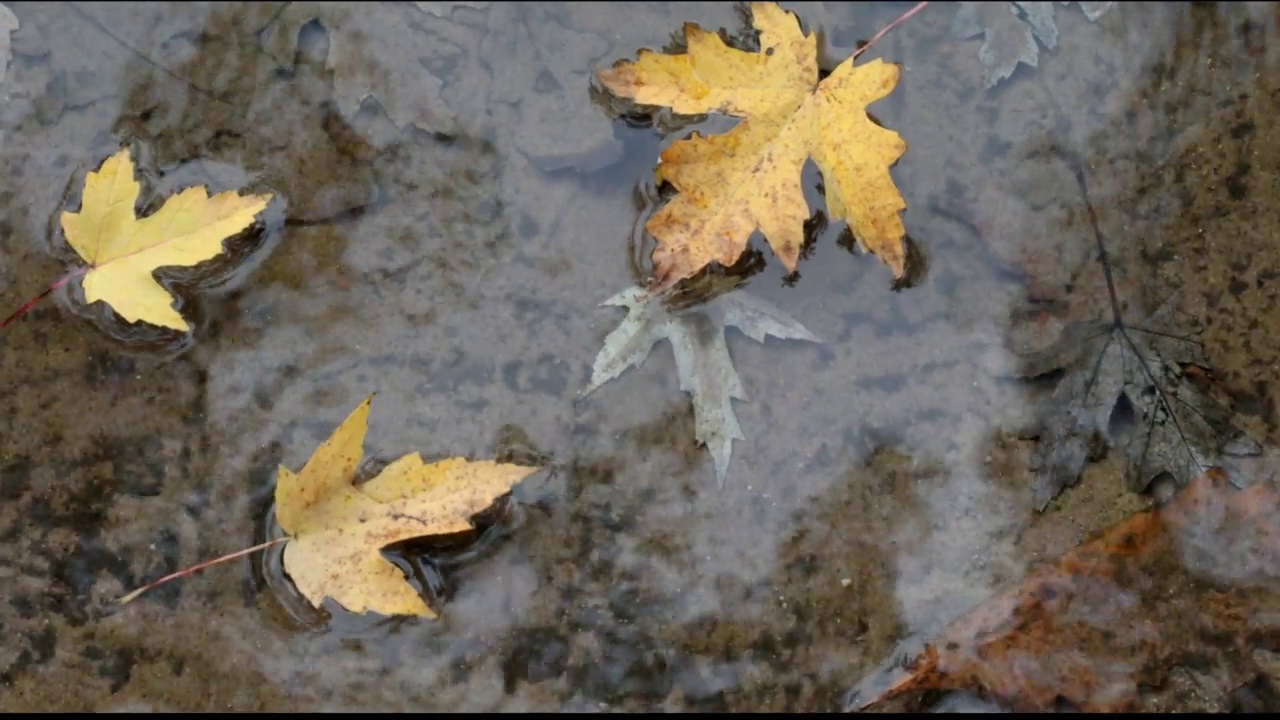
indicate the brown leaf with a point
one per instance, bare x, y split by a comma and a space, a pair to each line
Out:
1180, 584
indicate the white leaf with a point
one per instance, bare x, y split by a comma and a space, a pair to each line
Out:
8, 24
702, 356
629, 343
1009, 36
757, 318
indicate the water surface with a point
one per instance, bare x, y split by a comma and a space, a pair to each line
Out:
453, 207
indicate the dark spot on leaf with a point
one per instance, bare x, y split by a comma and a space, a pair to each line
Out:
1122, 420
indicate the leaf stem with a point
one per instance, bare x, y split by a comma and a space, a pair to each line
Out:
903, 18
1097, 239
198, 566
33, 301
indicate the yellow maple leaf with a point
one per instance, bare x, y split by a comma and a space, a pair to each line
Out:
338, 529
749, 178
124, 250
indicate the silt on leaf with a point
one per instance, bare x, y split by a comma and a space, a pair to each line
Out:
124, 251
748, 179
337, 529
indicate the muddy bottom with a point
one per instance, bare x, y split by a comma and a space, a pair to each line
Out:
452, 206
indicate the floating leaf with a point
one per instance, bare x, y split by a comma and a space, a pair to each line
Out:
338, 529
748, 179
124, 250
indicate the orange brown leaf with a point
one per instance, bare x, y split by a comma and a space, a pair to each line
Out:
1116, 614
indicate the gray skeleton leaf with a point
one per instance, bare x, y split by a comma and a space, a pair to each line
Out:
702, 356
1111, 369
1010, 30
372, 55
8, 24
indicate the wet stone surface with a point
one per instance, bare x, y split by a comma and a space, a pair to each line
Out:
452, 208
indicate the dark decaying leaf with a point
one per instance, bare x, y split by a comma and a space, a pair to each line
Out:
1192, 584
1112, 368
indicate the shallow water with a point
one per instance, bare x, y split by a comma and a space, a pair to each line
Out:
446, 243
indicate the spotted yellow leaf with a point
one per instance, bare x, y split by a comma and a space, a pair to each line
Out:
124, 251
338, 529
748, 179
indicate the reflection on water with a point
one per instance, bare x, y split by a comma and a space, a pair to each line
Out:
454, 208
